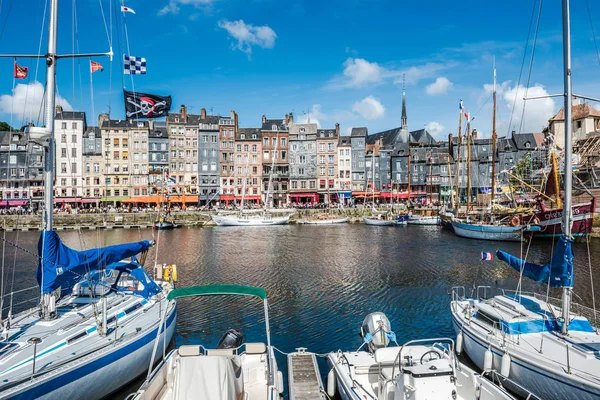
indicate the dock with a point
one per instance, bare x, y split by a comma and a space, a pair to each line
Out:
304, 378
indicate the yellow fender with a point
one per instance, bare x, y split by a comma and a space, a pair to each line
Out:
167, 273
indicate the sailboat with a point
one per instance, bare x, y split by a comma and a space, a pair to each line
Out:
378, 218
99, 310
506, 228
537, 340
425, 219
244, 218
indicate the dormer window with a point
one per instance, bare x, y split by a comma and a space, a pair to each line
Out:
15, 138
254, 136
243, 136
176, 119
302, 130
140, 124
527, 145
274, 127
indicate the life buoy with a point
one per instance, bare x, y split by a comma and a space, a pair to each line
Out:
536, 221
515, 221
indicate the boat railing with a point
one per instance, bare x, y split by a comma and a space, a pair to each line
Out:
458, 293
508, 384
485, 290
439, 343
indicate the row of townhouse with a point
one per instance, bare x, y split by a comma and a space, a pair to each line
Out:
211, 160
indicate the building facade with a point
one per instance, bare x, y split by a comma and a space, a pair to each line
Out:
358, 143
183, 146
248, 166
69, 127
303, 163
344, 179
327, 165
21, 172
158, 156
208, 157
227, 133
275, 159
93, 161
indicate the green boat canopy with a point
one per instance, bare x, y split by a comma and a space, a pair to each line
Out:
216, 290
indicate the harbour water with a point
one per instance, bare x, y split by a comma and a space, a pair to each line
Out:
321, 280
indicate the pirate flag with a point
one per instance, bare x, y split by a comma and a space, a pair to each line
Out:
143, 105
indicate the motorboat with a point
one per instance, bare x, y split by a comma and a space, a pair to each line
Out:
245, 219
232, 370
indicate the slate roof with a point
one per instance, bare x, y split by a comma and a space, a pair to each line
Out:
579, 111
92, 129
362, 131
192, 119
158, 133
268, 125
535, 140
327, 134
248, 132
70, 115
6, 137
344, 141
422, 136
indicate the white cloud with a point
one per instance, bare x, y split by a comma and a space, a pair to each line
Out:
25, 102
314, 115
247, 35
435, 128
174, 5
359, 72
369, 108
537, 112
440, 86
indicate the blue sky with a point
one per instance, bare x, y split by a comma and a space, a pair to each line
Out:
340, 61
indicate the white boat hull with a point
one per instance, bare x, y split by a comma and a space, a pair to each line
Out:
424, 220
230, 220
101, 373
547, 384
324, 221
378, 222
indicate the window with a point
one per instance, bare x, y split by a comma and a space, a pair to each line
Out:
321, 146
64, 126
242, 136
73, 138
116, 142
74, 152
74, 168
330, 147
302, 159
96, 168
246, 148
294, 185
302, 184
88, 168
254, 148
330, 159
321, 159
126, 155
322, 171
266, 155
300, 171
63, 167
74, 125
330, 171
63, 153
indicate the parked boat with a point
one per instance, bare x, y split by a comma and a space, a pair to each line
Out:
233, 370
419, 369
379, 221
550, 220
243, 219
326, 220
535, 339
164, 225
423, 220
487, 231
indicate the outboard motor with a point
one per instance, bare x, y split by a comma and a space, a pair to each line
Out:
375, 329
232, 339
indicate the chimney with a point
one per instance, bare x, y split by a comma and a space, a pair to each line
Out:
287, 118
264, 119
235, 119
232, 113
203, 113
183, 112
59, 109
101, 118
474, 134
337, 129
291, 119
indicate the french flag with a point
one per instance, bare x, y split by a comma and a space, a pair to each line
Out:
487, 256
460, 105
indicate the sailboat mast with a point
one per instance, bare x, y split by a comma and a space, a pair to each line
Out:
49, 117
271, 172
468, 164
373, 176
494, 138
408, 187
430, 178
244, 182
458, 143
567, 211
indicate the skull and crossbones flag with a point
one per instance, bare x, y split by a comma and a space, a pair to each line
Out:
144, 105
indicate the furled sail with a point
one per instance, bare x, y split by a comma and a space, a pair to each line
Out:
60, 266
558, 272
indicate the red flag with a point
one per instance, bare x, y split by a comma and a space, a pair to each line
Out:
95, 66
20, 72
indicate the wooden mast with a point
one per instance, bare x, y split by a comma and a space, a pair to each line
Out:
468, 164
408, 175
430, 178
494, 138
458, 142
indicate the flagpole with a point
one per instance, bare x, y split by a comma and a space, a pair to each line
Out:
92, 88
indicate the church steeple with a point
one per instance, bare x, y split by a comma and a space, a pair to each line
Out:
403, 123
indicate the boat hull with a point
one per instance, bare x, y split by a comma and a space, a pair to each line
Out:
378, 222
99, 375
424, 220
164, 225
324, 221
551, 221
250, 221
487, 232
547, 384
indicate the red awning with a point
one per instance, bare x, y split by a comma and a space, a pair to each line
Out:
298, 195
60, 200
227, 197
13, 203
89, 200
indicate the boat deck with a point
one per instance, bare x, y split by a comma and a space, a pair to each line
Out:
304, 378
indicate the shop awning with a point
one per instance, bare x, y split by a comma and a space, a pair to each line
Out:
13, 203
114, 198
162, 199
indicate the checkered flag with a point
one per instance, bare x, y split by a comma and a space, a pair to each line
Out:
134, 65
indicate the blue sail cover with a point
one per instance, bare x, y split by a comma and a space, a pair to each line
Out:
558, 272
60, 266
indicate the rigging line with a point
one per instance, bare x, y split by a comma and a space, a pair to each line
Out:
587, 238
73, 50
537, 26
522, 66
593, 31
6, 19
128, 49
105, 25
120, 57
31, 61
79, 58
